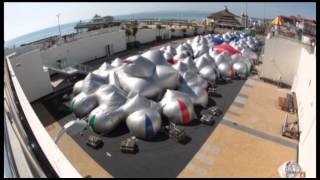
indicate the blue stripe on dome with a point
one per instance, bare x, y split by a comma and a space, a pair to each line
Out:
149, 128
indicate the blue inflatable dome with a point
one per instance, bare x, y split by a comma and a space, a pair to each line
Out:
216, 40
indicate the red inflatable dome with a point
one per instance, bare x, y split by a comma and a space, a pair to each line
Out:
225, 47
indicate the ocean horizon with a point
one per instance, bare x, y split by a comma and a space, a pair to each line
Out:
68, 28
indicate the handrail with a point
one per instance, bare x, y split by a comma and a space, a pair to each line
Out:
58, 161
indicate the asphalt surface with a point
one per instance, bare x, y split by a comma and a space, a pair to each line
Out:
160, 157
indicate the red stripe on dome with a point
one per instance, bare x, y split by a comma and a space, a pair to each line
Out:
172, 61
184, 111
231, 72
125, 61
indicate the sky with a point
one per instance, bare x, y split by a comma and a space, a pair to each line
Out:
23, 18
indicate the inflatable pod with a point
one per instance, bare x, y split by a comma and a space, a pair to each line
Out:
198, 95
167, 77
177, 107
117, 62
225, 47
240, 69
226, 70
144, 123
155, 56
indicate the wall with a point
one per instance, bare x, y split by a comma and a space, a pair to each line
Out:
305, 88
97, 32
190, 32
177, 33
200, 30
281, 57
146, 35
84, 49
165, 34
298, 67
34, 81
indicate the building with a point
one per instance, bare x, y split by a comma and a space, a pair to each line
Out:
97, 22
225, 19
244, 19
307, 26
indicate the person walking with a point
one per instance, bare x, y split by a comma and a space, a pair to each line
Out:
273, 31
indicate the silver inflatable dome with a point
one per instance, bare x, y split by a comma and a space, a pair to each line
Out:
248, 63
91, 83
181, 48
180, 55
196, 39
188, 46
144, 123
112, 100
102, 121
206, 67
139, 102
249, 54
167, 56
198, 95
162, 49
221, 58
82, 104
118, 92
194, 80
190, 62
236, 58
226, 37
117, 62
209, 73
77, 87
177, 107
241, 69
181, 67
155, 56
226, 70
213, 53
202, 49
167, 77
202, 62
103, 71
171, 50
139, 66
203, 41
135, 85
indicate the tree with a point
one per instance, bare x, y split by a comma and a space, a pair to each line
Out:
195, 30
158, 26
184, 30
128, 33
134, 32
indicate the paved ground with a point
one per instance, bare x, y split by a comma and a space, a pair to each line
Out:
248, 141
74, 153
162, 157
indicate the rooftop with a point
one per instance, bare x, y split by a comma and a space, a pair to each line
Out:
245, 141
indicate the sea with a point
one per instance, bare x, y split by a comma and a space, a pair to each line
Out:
68, 28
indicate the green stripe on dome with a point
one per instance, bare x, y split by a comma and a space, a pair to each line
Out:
91, 120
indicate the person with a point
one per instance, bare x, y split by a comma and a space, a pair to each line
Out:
273, 30
300, 34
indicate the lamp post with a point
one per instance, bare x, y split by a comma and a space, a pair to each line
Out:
246, 16
58, 15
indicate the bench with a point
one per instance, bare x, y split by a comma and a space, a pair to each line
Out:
288, 103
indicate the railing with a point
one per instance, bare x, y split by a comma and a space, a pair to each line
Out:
43, 145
